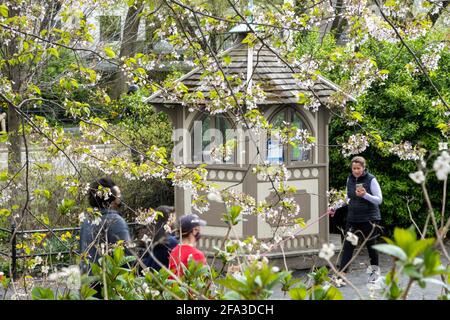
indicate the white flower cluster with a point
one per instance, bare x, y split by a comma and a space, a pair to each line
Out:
437, 5
36, 262
415, 30
70, 276
379, 29
313, 103
5, 196
215, 196
96, 221
45, 270
235, 198
364, 73
302, 138
356, 144
146, 239
254, 121
442, 165
352, 238
397, 11
222, 153
337, 198
405, 151
199, 206
146, 217
327, 251
418, 177
308, 68
282, 214
443, 146
254, 96
430, 59
285, 17
275, 172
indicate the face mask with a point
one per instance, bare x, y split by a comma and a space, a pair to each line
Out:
197, 236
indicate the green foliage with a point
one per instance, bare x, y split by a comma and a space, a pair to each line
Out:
232, 217
115, 275
256, 282
138, 123
39, 293
410, 97
415, 258
66, 206
319, 290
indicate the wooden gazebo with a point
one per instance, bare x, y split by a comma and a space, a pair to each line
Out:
308, 169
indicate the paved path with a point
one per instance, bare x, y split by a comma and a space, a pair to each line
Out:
358, 277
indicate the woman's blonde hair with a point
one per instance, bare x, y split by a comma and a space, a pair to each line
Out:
360, 160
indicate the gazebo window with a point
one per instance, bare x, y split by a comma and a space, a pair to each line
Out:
276, 151
209, 134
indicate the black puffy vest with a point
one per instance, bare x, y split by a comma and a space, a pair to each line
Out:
359, 209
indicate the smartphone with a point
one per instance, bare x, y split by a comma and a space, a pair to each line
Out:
359, 185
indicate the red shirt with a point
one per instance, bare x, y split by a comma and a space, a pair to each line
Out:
186, 251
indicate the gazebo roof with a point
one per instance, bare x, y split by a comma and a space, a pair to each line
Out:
269, 71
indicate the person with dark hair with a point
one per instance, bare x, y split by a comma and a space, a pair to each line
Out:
132, 89
162, 241
189, 233
363, 217
109, 228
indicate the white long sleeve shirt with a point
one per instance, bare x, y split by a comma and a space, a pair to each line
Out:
376, 197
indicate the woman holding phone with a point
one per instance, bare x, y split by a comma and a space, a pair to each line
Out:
364, 194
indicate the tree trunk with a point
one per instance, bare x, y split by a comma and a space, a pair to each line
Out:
434, 17
13, 122
14, 142
339, 23
127, 48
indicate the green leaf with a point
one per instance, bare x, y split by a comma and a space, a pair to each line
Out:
436, 282
36, 89
141, 71
86, 292
419, 247
395, 291
3, 136
317, 294
431, 260
300, 222
4, 175
411, 272
5, 212
301, 98
391, 250
333, 294
227, 60
357, 116
232, 295
53, 51
297, 293
404, 238
390, 3
39, 293
109, 52
66, 206
4, 10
